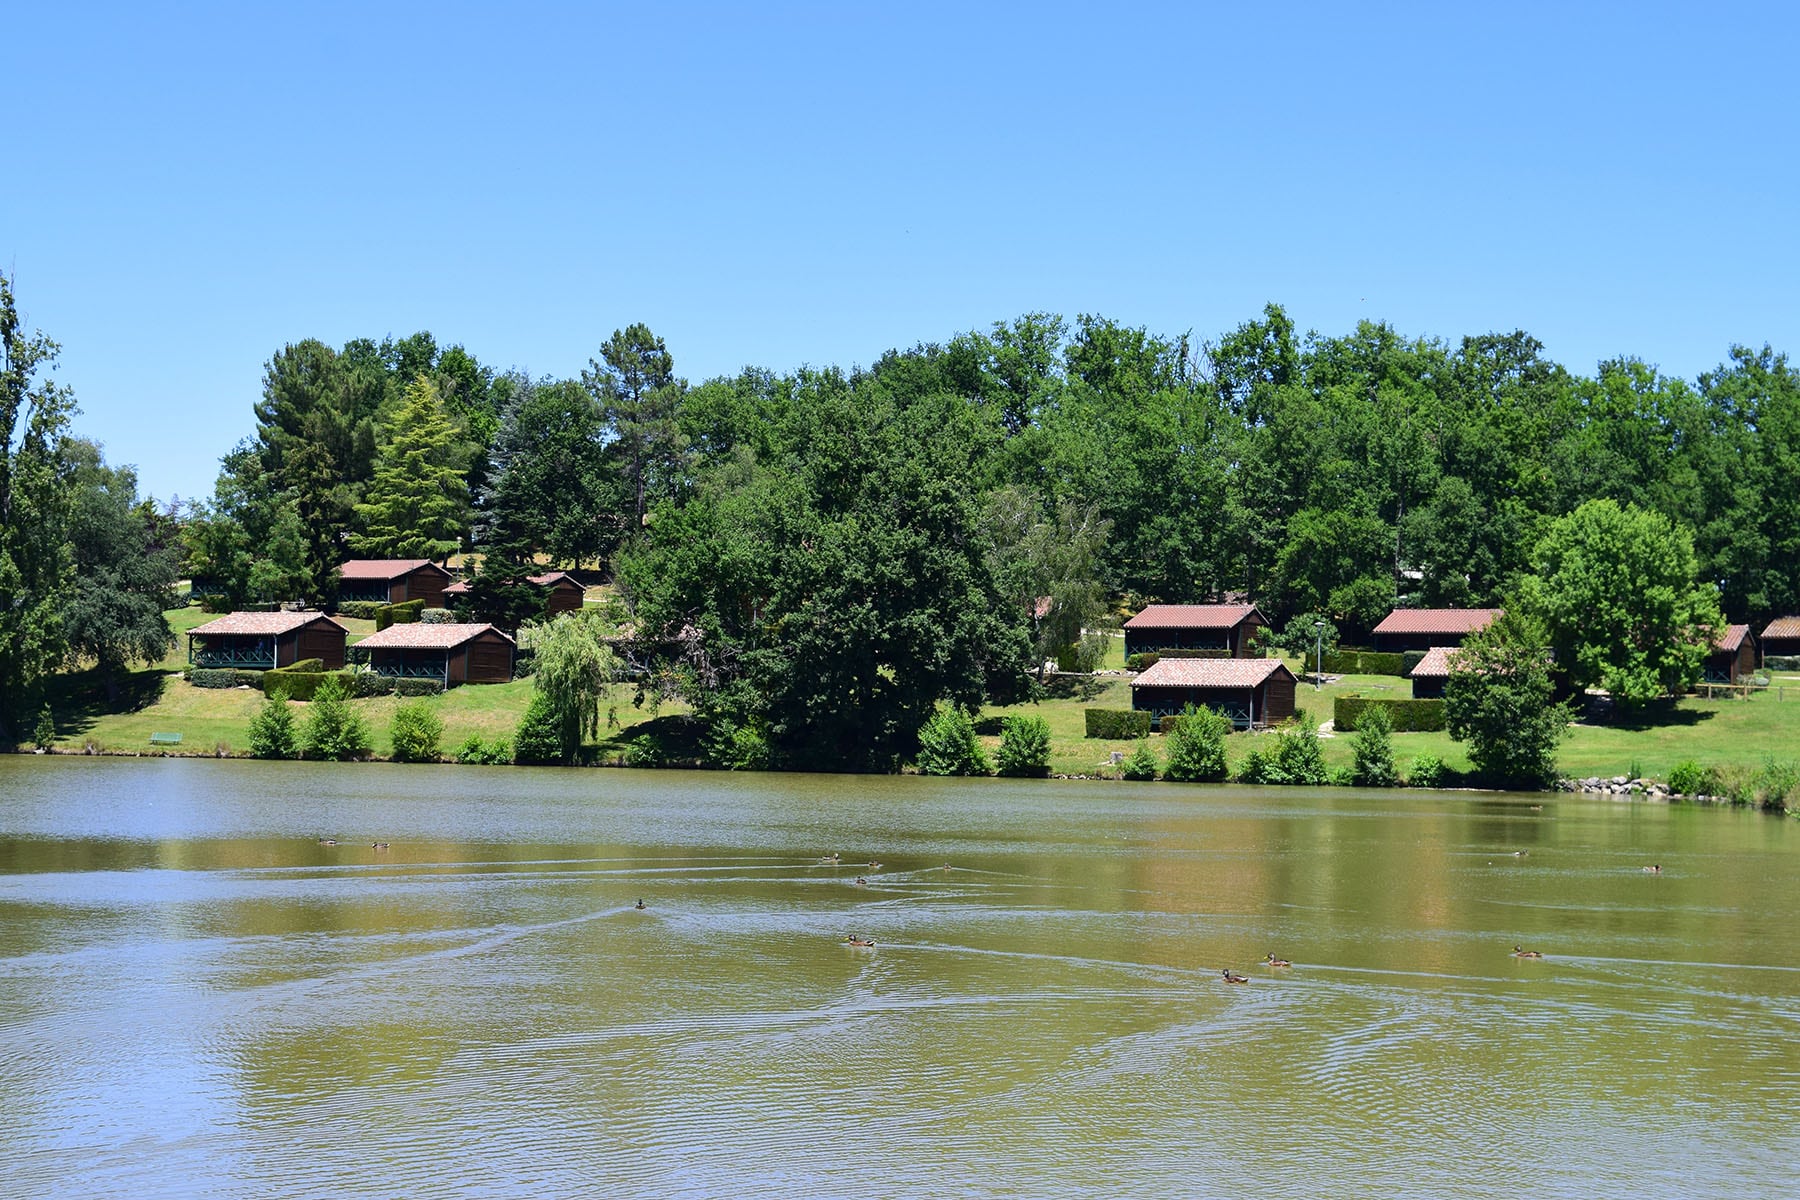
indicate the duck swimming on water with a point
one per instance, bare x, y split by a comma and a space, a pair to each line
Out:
1277, 962
1521, 952
639, 906
853, 940
1230, 976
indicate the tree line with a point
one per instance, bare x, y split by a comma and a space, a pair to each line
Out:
816, 558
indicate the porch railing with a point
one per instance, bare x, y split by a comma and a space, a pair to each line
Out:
257, 657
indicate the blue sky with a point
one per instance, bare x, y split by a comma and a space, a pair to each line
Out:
188, 188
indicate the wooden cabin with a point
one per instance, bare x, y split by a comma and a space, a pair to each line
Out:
1781, 637
1225, 628
1432, 673
453, 653
1422, 628
1732, 658
393, 580
562, 592
258, 641
1251, 692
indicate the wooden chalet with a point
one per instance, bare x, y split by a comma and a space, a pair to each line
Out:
1781, 637
393, 580
1432, 673
259, 641
1225, 628
1732, 658
453, 653
1250, 692
563, 592
1422, 628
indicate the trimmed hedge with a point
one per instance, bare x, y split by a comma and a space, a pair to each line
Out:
360, 610
1364, 662
300, 685
404, 613
437, 616
1116, 724
305, 666
1782, 662
1409, 660
1141, 661
1409, 716
418, 687
224, 677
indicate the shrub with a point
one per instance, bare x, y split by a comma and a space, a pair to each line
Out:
1410, 659
1196, 746
476, 752
1141, 766
1116, 724
1427, 771
360, 610
1025, 747
301, 685
1364, 662
415, 732
437, 616
539, 737
334, 730
1404, 716
1256, 768
306, 666
249, 679
1299, 756
643, 751
363, 684
272, 728
45, 733
212, 602
947, 745
1141, 661
213, 677
739, 748
404, 613
1781, 662
418, 687
1373, 750
1689, 778
1776, 784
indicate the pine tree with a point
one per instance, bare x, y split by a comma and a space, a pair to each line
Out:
418, 502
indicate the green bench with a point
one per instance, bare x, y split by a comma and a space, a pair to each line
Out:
165, 739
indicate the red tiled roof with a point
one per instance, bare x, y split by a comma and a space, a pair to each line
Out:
551, 577
1435, 664
1783, 627
420, 636
1437, 620
459, 588
1193, 616
383, 568
261, 624
1732, 640
1210, 672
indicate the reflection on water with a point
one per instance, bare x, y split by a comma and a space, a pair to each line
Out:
197, 997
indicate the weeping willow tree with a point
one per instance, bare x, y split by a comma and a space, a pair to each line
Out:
572, 668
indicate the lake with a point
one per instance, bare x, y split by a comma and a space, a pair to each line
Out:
200, 998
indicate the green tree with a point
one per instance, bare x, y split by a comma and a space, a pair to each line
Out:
417, 505
35, 561
948, 745
634, 383
45, 734
415, 732
1140, 765
1024, 747
1196, 742
1500, 699
554, 490
1616, 592
113, 607
571, 671
334, 730
539, 738
1299, 756
1372, 749
272, 728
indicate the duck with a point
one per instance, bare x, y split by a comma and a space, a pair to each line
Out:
639, 906
874, 864
1277, 962
853, 940
1521, 952
861, 882
1653, 869
1521, 853
830, 858
378, 845
1230, 976
325, 841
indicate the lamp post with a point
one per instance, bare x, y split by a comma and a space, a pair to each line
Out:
1318, 655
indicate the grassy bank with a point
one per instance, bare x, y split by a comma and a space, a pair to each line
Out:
156, 699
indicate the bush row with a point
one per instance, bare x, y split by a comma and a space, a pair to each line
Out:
224, 677
404, 613
1364, 662
1408, 716
1782, 662
1116, 724
360, 610
437, 616
301, 685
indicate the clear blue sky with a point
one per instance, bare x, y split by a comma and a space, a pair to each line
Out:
187, 188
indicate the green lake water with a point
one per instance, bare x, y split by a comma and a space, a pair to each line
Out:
198, 998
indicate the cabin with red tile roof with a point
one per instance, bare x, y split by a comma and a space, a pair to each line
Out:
1225, 628
1422, 628
563, 592
1431, 673
393, 580
467, 653
1251, 692
1733, 656
1781, 637
262, 641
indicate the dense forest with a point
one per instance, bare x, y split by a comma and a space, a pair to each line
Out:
816, 558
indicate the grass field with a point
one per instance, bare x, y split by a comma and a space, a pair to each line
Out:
156, 699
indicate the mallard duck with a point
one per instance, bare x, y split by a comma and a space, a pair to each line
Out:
874, 865
1230, 976
861, 882
1521, 853
853, 940
1277, 962
1521, 952
325, 841
830, 858
378, 845
639, 906
1653, 869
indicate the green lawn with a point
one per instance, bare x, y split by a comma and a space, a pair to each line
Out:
157, 700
